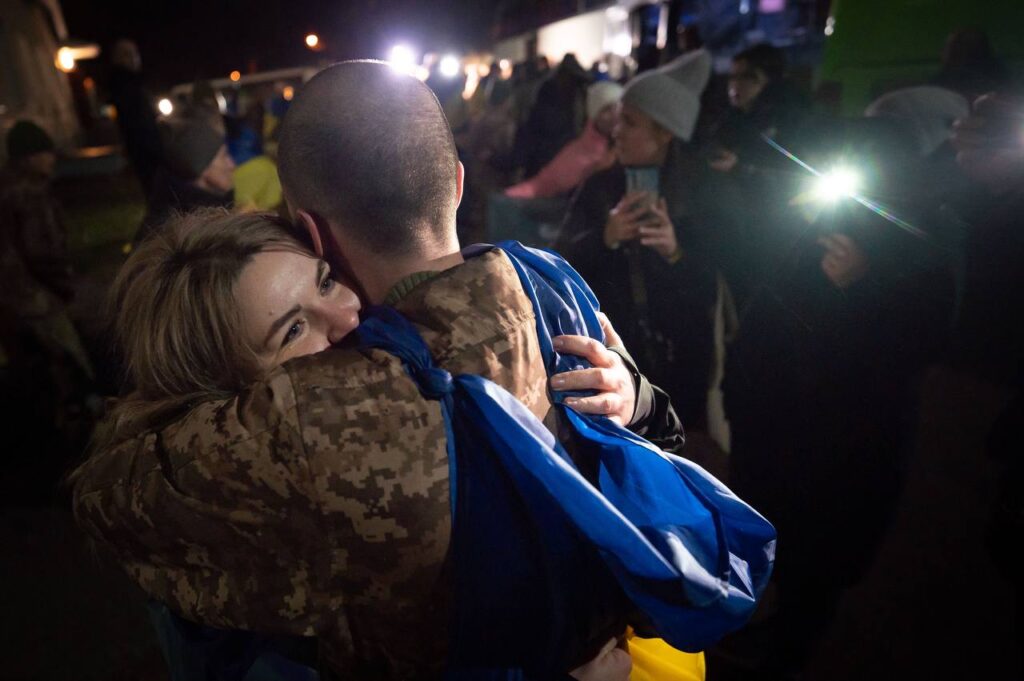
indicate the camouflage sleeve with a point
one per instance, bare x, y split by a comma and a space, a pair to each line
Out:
215, 515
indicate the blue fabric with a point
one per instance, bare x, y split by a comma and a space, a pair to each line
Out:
699, 536
540, 553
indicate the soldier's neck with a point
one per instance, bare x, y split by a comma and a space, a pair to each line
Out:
379, 275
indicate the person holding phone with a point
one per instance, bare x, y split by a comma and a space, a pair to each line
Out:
635, 232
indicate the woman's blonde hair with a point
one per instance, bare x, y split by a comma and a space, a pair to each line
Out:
175, 318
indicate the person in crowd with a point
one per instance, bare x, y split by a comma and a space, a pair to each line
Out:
580, 158
925, 115
958, 519
198, 172
202, 105
136, 117
314, 446
762, 103
488, 148
449, 90
687, 39
477, 103
969, 65
750, 172
987, 336
636, 232
46, 373
526, 82
532, 210
32, 221
925, 112
557, 116
819, 391
255, 181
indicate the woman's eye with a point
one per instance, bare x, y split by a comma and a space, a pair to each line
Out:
292, 333
327, 285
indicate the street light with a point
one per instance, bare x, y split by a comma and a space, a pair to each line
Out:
235, 76
450, 66
65, 60
312, 41
402, 59
165, 106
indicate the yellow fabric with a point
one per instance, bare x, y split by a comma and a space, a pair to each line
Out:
257, 186
655, 660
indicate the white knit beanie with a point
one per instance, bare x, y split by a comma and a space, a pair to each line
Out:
600, 95
666, 100
926, 112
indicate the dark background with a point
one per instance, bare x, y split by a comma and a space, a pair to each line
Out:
182, 41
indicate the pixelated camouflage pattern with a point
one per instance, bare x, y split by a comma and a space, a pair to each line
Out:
317, 502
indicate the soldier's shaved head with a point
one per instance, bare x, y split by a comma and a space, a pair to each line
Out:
370, 150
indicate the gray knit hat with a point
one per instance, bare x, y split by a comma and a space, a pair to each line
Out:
692, 69
666, 100
189, 146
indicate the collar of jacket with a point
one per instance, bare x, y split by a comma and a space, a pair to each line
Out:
404, 286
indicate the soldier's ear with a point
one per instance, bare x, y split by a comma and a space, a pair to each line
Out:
460, 179
310, 224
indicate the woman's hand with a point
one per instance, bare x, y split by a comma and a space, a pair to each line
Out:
625, 220
659, 234
611, 664
616, 394
844, 263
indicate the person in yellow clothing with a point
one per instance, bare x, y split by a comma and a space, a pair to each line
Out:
257, 187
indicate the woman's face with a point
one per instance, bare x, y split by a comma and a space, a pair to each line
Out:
639, 141
745, 84
291, 307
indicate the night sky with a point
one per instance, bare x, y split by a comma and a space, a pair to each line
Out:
188, 39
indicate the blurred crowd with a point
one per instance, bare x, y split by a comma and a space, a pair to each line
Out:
795, 280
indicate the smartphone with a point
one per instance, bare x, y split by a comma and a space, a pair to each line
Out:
644, 179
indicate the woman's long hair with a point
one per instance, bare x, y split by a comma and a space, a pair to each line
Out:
175, 318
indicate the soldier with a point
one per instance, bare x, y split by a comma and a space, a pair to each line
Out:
46, 371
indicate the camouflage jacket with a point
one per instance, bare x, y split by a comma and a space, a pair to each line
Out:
317, 502
31, 223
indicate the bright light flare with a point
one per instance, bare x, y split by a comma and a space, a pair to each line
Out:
312, 40
450, 66
402, 59
288, 93
235, 76
65, 59
617, 13
622, 45
836, 184
165, 106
